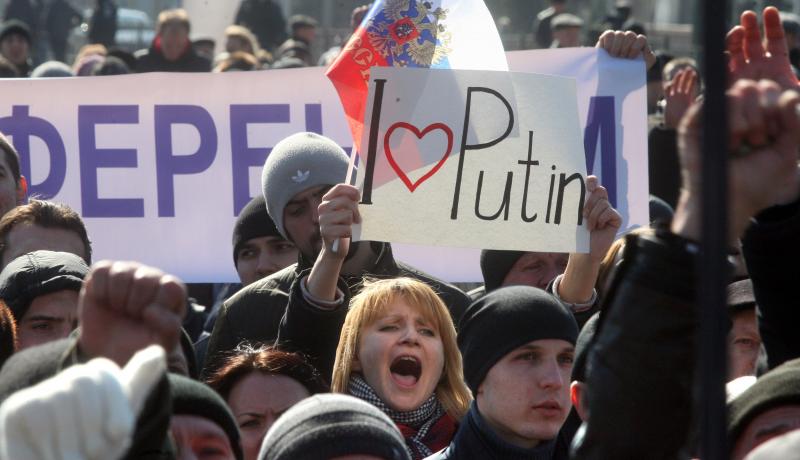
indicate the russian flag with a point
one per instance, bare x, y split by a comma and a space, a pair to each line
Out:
443, 34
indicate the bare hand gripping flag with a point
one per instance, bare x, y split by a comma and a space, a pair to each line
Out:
438, 34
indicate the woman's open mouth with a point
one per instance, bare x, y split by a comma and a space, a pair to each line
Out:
406, 371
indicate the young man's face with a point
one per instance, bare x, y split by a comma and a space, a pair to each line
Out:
11, 193
25, 238
262, 256
301, 220
50, 317
15, 48
525, 396
174, 38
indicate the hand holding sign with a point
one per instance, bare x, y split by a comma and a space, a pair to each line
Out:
337, 214
338, 211
602, 220
626, 44
603, 223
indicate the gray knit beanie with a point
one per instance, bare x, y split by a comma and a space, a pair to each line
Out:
331, 425
297, 163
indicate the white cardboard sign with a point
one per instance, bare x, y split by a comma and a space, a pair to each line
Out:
470, 158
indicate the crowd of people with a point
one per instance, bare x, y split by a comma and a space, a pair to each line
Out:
332, 349
260, 39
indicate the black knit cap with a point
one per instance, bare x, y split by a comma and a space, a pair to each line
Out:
331, 425
39, 273
253, 222
740, 296
506, 319
190, 397
778, 387
15, 26
495, 265
582, 346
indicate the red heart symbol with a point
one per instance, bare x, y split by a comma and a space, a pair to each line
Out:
420, 134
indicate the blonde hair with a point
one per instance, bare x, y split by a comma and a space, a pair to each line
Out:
371, 304
176, 16
244, 34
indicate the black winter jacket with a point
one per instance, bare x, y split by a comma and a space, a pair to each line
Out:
154, 61
641, 365
475, 440
773, 237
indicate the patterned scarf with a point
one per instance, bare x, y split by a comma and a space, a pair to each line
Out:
421, 419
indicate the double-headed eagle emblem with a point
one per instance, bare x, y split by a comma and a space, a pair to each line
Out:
410, 33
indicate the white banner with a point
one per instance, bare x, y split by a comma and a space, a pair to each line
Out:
158, 165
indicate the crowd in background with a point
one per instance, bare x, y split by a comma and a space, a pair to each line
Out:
331, 349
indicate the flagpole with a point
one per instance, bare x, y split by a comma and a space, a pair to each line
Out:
711, 360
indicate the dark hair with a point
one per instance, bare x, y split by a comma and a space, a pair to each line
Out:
49, 215
8, 333
268, 360
12, 157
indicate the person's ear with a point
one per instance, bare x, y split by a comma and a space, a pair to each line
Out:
356, 364
22, 190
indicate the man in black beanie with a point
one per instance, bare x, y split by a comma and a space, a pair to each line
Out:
329, 426
41, 290
201, 420
518, 345
16, 44
259, 249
